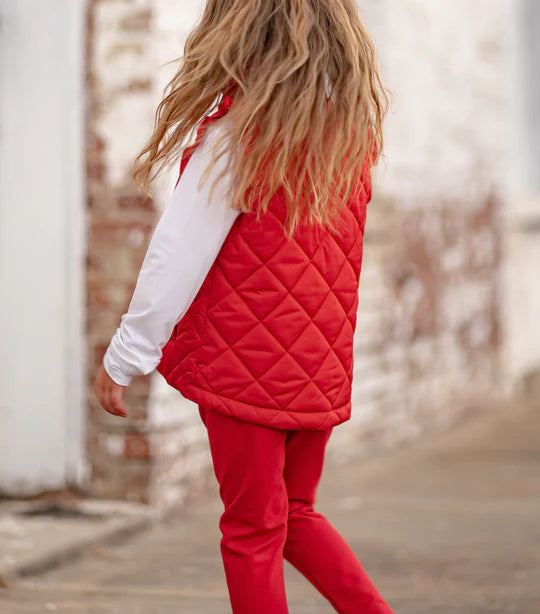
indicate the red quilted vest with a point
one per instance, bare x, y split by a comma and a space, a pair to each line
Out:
269, 336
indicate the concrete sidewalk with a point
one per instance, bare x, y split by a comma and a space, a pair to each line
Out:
447, 526
42, 533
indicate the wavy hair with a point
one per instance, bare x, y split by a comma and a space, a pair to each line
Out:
308, 104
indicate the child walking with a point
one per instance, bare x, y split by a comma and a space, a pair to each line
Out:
246, 299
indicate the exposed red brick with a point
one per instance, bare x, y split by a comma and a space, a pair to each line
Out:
484, 217
95, 170
136, 445
140, 20
115, 212
99, 351
139, 85
136, 202
96, 296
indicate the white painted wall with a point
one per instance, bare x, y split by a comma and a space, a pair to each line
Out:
465, 119
42, 366
446, 66
521, 299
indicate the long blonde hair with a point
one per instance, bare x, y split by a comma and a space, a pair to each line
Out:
308, 103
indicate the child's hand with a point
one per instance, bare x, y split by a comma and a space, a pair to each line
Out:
110, 394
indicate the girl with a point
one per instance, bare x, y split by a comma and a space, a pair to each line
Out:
246, 300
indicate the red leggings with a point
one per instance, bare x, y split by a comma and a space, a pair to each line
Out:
267, 481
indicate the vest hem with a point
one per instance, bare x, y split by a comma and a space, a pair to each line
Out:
266, 416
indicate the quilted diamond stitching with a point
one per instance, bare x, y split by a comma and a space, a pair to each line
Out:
309, 320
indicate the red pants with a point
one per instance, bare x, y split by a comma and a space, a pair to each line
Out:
267, 481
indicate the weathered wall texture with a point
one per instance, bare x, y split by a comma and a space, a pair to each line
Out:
120, 81
428, 326
161, 455
428, 339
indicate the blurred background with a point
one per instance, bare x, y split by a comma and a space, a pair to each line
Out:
448, 323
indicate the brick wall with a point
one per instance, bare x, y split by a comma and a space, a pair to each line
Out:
428, 323
160, 455
120, 221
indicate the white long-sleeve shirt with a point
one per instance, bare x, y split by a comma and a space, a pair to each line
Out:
182, 249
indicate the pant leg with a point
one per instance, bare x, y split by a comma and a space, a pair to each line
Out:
313, 545
248, 462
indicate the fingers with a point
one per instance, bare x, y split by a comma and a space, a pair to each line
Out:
116, 403
107, 400
110, 395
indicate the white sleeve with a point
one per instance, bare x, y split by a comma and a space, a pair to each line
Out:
183, 247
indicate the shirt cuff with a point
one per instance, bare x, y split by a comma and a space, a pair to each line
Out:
115, 373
